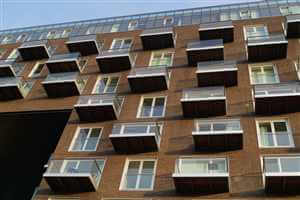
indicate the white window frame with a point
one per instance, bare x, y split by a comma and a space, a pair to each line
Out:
31, 75
162, 55
109, 81
261, 66
152, 106
125, 169
271, 121
257, 25
131, 27
121, 47
166, 19
85, 142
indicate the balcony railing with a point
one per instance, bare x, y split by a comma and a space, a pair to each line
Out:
72, 172
34, 43
157, 31
35, 50
10, 68
114, 52
216, 25
149, 72
82, 38
278, 38
277, 90
205, 45
205, 94
158, 38
63, 57
217, 127
85, 44
23, 87
216, 66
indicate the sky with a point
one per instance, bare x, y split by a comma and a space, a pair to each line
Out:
24, 13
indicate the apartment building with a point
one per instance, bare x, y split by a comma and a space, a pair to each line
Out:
199, 103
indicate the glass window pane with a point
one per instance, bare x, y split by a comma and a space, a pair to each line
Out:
290, 164
146, 108
112, 84
132, 174
135, 129
193, 166
267, 139
159, 106
280, 127
265, 127
204, 127
283, 139
81, 138
93, 139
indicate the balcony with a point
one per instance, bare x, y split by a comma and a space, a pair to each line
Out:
148, 79
201, 176
63, 84
159, 38
98, 108
203, 102
71, 62
35, 50
14, 88
85, 44
218, 135
218, 30
276, 98
292, 26
264, 48
217, 73
74, 175
9, 68
136, 137
281, 174
115, 60
205, 50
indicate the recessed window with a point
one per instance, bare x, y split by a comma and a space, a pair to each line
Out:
86, 139
274, 133
13, 55
168, 21
106, 85
256, 32
263, 74
138, 175
161, 59
121, 44
22, 37
281, 164
66, 33
115, 28
2, 52
152, 107
7, 39
37, 69
132, 25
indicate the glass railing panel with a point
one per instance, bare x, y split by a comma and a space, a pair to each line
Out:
273, 38
149, 71
216, 66
286, 165
277, 89
216, 25
225, 126
34, 43
203, 44
203, 93
82, 38
154, 31
61, 77
59, 57
9, 81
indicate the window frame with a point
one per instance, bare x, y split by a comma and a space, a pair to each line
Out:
161, 57
271, 121
261, 66
256, 25
125, 170
122, 44
35, 67
75, 136
153, 103
109, 78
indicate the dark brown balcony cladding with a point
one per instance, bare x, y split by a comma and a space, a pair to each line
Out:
136, 137
35, 50
264, 48
148, 79
201, 176
217, 30
281, 174
82, 175
98, 108
115, 60
280, 98
292, 26
159, 38
216, 73
14, 88
85, 44
218, 135
203, 102
9, 68
205, 50
71, 62
64, 84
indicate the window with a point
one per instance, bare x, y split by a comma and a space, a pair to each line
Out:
265, 74
66, 33
282, 164
132, 25
13, 55
2, 52
202, 166
274, 133
138, 175
7, 39
121, 44
114, 28
256, 32
152, 107
22, 37
106, 85
37, 69
161, 59
168, 21
86, 139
